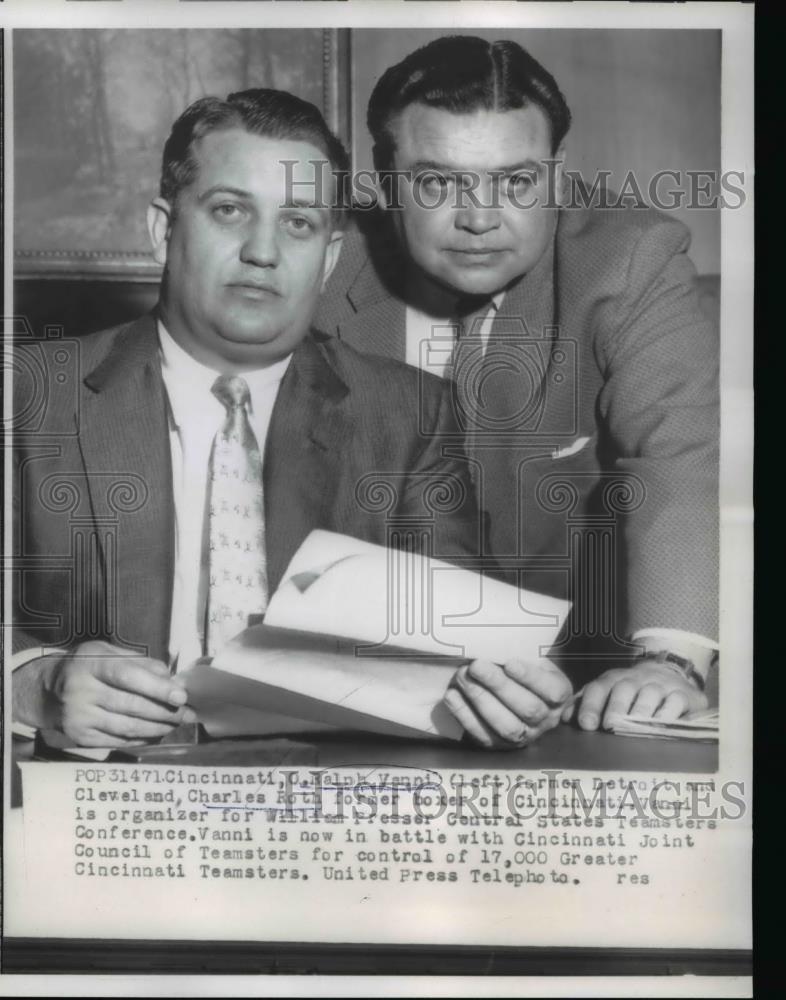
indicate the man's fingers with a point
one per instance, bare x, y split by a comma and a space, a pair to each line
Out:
476, 728
697, 700
498, 717
89, 725
138, 677
674, 705
95, 727
620, 699
131, 729
124, 703
158, 667
593, 702
645, 691
109, 696
521, 702
542, 677
648, 700
568, 711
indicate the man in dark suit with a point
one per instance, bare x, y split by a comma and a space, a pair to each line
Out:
149, 527
586, 374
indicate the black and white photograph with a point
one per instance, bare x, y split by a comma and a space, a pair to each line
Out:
377, 540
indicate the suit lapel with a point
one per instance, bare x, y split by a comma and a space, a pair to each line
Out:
310, 427
379, 328
376, 320
126, 453
532, 302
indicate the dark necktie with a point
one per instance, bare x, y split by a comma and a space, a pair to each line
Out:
466, 364
237, 565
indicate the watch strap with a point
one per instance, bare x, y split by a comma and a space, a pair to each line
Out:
680, 664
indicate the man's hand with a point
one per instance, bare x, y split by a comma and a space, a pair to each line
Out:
648, 690
508, 706
102, 695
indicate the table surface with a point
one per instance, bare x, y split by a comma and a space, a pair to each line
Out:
565, 747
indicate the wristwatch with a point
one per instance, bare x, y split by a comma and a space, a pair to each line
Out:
680, 664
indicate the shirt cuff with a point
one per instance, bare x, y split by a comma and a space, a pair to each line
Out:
699, 649
667, 634
34, 653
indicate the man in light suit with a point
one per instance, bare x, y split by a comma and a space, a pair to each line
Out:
586, 374
148, 521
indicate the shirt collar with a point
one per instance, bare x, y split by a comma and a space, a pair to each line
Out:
494, 304
188, 382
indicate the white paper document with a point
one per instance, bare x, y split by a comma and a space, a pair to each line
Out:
359, 636
698, 726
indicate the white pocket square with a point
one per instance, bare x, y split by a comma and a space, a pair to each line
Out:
570, 449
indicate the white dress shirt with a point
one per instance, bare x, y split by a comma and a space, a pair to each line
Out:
430, 340
195, 418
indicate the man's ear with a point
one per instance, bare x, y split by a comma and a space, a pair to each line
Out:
379, 187
332, 254
379, 174
384, 190
560, 180
159, 226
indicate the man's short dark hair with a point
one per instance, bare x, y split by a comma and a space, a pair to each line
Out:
274, 114
460, 74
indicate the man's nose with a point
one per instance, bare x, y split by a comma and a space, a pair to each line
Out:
260, 246
478, 219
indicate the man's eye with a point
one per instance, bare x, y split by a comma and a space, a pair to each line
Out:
437, 182
299, 224
226, 212
520, 182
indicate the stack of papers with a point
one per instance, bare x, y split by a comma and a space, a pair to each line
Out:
698, 726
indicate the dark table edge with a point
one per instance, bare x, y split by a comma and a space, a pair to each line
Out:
94, 956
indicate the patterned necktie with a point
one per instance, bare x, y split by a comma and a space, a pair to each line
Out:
237, 581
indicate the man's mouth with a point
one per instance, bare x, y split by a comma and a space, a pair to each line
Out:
477, 253
254, 289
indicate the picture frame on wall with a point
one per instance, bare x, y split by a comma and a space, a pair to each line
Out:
93, 108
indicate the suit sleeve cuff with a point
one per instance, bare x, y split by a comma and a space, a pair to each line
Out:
21, 729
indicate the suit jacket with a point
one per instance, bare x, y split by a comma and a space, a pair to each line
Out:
354, 446
602, 483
